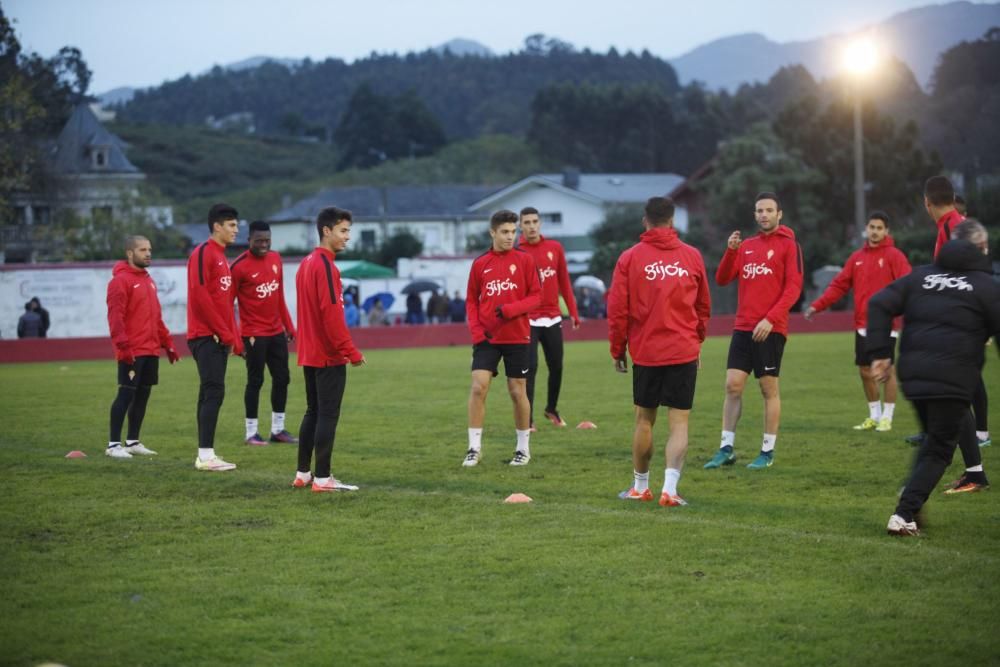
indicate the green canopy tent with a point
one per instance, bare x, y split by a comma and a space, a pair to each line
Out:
363, 269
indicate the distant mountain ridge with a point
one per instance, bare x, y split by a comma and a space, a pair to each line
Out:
917, 37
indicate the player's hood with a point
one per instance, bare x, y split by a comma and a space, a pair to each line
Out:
782, 230
961, 255
123, 266
664, 238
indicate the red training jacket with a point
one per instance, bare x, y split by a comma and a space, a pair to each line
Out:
134, 316
259, 286
551, 262
210, 296
324, 339
769, 267
945, 224
867, 270
509, 280
659, 303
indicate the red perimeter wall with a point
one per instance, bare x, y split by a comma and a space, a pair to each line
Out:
374, 338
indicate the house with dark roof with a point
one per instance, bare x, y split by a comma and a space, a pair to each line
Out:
88, 173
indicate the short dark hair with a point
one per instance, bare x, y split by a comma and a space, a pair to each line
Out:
329, 217
258, 226
879, 215
221, 213
659, 210
939, 191
133, 240
501, 217
767, 195
529, 210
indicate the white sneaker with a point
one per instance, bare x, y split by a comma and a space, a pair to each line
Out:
117, 452
897, 526
520, 458
214, 464
471, 458
139, 449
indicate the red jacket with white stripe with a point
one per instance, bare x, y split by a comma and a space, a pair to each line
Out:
659, 302
769, 268
134, 316
551, 262
508, 280
210, 296
323, 337
867, 270
259, 283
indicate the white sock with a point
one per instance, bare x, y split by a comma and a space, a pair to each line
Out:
206, 454
728, 438
321, 480
768, 444
887, 410
983, 435
251, 427
874, 410
978, 468
670, 479
277, 422
476, 438
641, 481
522, 441
304, 476
114, 444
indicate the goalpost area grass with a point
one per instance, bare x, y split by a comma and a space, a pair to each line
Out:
149, 562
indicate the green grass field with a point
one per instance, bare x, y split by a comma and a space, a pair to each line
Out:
148, 562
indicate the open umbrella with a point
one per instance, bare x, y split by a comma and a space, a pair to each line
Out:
365, 269
384, 297
418, 286
590, 282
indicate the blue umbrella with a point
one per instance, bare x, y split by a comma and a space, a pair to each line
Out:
384, 297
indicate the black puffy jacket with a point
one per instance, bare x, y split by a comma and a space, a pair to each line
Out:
949, 309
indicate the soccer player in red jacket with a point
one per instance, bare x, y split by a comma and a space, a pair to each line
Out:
265, 327
769, 269
324, 350
658, 310
138, 333
876, 264
503, 288
546, 320
211, 328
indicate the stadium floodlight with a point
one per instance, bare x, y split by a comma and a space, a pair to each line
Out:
860, 58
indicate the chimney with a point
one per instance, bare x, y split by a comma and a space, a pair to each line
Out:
571, 178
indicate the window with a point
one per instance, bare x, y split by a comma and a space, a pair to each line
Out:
41, 215
99, 157
551, 218
20, 215
432, 238
368, 239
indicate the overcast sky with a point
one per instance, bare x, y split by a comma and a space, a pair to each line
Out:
145, 42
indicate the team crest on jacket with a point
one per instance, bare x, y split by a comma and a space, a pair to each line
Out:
770, 254
549, 253
881, 262
274, 267
513, 269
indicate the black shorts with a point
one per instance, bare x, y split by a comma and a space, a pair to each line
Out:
145, 372
862, 357
761, 358
672, 386
486, 357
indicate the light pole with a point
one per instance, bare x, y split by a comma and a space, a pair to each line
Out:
860, 58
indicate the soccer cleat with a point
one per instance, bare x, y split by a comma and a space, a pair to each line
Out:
915, 440
214, 464
900, 528
332, 484
256, 440
667, 500
868, 424
967, 484
763, 460
300, 483
139, 449
285, 437
724, 457
117, 452
632, 494
520, 458
553, 416
884, 424
984, 442
471, 458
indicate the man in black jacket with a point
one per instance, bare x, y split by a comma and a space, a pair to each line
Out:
950, 309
